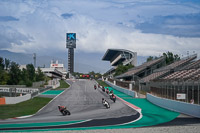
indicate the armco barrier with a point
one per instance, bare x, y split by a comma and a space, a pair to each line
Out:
14, 100
177, 106
126, 91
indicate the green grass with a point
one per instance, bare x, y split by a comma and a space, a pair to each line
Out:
24, 108
63, 85
102, 83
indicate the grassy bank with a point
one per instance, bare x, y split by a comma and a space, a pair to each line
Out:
24, 108
63, 85
102, 83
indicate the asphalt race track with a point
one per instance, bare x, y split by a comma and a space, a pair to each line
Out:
84, 103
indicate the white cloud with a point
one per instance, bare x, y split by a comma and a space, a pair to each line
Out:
96, 25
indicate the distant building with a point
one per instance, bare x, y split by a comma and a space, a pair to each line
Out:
56, 70
21, 67
58, 66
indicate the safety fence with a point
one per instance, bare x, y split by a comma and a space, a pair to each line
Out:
123, 84
185, 91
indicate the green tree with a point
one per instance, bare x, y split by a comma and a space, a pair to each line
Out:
150, 58
24, 77
31, 72
1, 63
7, 63
4, 77
14, 74
170, 57
40, 75
122, 69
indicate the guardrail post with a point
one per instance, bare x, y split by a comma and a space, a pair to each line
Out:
130, 86
114, 82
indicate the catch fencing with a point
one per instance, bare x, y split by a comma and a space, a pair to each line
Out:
185, 91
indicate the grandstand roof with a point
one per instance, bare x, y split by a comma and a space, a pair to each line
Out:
138, 69
117, 56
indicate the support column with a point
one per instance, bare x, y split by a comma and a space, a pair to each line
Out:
130, 86
198, 94
70, 60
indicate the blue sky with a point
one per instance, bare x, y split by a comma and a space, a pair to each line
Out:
149, 27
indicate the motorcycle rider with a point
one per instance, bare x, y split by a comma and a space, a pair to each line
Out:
113, 97
107, 91
61, 108
103, 89
105, 103
95, 87
103, 100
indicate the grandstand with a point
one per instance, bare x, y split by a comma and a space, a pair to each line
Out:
185, 80
181, 78
193, 74
143, 70
164, 71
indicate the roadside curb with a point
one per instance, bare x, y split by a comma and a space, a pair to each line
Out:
131, 105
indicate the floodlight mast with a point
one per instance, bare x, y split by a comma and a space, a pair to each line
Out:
34, 58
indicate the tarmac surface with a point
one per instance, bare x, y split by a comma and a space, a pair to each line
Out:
84, 103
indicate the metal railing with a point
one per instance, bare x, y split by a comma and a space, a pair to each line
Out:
185, 91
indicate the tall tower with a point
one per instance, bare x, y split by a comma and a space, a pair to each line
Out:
71, 44
34, 58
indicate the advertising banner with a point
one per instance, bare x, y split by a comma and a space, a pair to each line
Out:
180, 96
71, 40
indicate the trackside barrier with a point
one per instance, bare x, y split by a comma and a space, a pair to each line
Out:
177, 106
14, 100
126, 91
2, 101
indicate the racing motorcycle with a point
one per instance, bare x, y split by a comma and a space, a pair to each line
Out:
105, 103
95, 87
103, 89
113, 97
107, 91
63, 110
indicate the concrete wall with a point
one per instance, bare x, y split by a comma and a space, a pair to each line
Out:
38, 84
19, 90
126, 91
182, 107
14, 100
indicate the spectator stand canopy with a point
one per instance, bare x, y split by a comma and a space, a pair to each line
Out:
118, 56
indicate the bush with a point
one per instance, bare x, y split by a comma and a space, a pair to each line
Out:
29, 83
